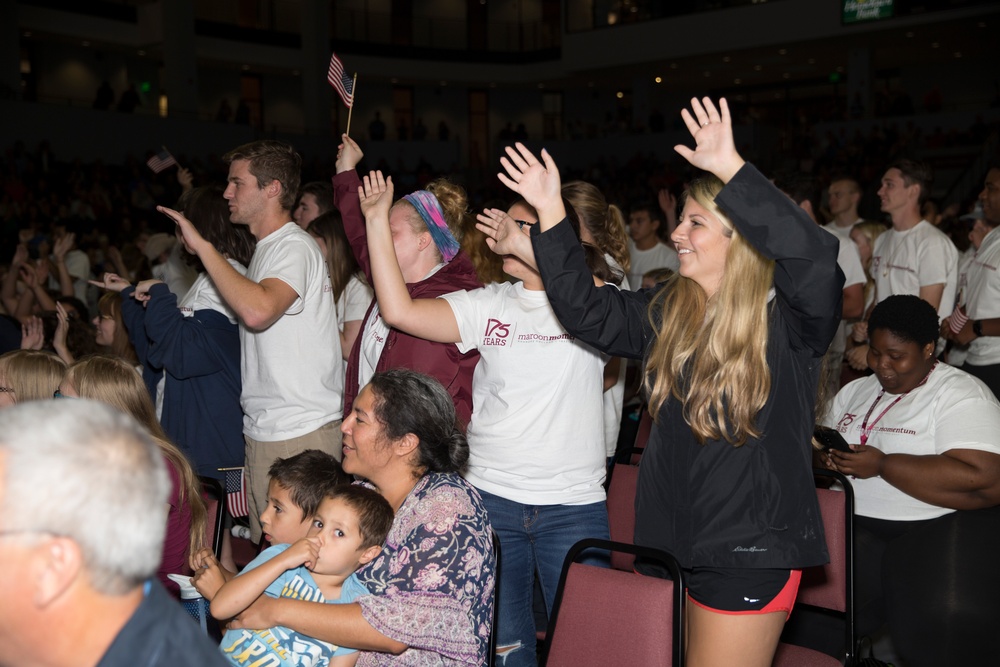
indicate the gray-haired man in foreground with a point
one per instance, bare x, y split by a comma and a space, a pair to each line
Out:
83, 509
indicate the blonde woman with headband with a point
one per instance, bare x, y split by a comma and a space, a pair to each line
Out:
734, 345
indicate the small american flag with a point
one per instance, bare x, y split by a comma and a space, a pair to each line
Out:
236, 493
957, 320
340, 81
161, 161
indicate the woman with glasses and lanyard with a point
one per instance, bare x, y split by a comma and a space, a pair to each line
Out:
536, 437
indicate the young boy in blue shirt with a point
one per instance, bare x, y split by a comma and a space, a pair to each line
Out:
347, 531
297, 486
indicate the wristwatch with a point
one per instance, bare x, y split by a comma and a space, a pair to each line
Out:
977, 328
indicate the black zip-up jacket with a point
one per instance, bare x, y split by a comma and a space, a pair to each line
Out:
715, 505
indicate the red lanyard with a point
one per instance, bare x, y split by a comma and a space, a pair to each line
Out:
865, 429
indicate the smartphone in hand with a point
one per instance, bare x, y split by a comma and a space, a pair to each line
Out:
831, 439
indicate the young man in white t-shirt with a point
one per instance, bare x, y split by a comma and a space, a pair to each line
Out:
644, 247
843, 197
293, 377
914, 257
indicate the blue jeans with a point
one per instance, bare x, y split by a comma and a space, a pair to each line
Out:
535, 536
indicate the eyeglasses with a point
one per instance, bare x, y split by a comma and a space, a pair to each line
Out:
521, 224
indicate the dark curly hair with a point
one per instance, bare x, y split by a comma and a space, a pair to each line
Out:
906, 317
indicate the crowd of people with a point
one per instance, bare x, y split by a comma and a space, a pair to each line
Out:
404, 382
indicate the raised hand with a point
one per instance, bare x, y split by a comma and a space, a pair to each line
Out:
538, 182
32, 334
63, 246
668, 202
185, 178
712, 129
192, 238
141, 292
375, 193
503, 234
20, 256
61, 335
349, 154
111, 282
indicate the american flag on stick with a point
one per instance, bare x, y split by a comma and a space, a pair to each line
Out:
236, 493
957, 320
161, 161
340, 81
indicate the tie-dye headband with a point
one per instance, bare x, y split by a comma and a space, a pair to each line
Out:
430, 212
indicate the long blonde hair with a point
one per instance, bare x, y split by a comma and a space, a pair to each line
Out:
711, 353
34, 375
113, 381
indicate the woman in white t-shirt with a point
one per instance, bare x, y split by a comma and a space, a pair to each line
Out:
536, 435
926, 471
351, 292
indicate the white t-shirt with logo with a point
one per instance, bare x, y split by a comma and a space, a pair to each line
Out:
537, 433
293, 376
953, 410
903, 262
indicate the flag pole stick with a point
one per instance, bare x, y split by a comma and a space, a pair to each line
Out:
350, 109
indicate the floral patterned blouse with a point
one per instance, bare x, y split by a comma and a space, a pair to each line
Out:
432, 585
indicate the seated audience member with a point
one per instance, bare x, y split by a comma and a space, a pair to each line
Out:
351, 293
190, 346
431, 588
29, 375
114, 382
346, 532
927, 488
83, 504
646, 252
315, 199
296, 486
426, 226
